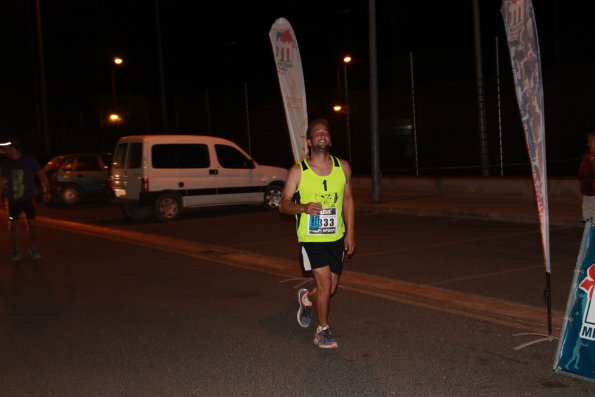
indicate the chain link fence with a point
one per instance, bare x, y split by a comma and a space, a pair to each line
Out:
431, 129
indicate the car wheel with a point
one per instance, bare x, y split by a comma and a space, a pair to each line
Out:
70, 195
168, 207
137, 213
272, 197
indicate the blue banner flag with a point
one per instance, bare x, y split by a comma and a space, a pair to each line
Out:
576, 349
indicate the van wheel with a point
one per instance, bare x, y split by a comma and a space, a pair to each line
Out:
168, 207
70, 195
272, 197
136, 213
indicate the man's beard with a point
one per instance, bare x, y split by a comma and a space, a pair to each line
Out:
320, 149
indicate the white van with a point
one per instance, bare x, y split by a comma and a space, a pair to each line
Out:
162, 174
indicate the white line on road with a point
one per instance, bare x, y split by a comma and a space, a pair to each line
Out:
496, 311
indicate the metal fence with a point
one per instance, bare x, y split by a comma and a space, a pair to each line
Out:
431, 129
439, 123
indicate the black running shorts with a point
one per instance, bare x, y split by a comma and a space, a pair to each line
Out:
317, 255
16, 207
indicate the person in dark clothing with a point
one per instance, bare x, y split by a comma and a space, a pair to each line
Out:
17, 186
586, 174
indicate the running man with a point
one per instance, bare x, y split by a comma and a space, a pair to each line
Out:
318, 193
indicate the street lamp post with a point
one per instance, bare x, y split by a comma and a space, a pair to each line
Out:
346, 61
43, 114
117, 62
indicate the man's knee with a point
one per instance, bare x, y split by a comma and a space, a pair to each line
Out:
324, 283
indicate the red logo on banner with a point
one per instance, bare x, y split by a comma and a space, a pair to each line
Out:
588, 284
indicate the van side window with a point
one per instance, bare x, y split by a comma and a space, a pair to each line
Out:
230, 157
180, 156
194, 156
135, 155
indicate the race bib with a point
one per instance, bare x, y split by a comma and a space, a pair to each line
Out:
323, 223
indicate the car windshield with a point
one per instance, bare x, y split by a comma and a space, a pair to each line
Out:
53, 164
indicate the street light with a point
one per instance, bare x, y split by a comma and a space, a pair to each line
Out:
117, 62
114, 118
346, 61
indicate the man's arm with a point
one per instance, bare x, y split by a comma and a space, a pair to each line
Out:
286, 205
2, 189
348, 211
45, 185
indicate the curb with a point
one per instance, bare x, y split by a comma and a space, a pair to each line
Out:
382, 208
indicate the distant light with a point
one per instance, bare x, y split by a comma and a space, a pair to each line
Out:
337, 108
118, 60
114, 118
347, 58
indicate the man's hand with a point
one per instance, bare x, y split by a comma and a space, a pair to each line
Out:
313, 208
349, 244
47, 197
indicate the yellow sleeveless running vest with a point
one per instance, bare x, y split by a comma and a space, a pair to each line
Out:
327, 190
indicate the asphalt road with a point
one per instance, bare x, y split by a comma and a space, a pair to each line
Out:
109, 315
502, 260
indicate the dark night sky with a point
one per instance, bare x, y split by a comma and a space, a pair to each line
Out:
205, 45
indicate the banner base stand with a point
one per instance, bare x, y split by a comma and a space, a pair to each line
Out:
544, 338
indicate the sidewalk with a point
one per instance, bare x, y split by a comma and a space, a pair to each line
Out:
562, 212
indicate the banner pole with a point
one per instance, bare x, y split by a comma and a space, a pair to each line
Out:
548, 297
413, 119
247, 106
521, 35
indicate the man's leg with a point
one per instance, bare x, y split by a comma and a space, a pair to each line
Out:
324, 287
30, 234
33, 252
30, 213
334, 284
321, 294
15, 254
14, 212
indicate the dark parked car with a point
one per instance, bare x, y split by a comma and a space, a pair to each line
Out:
77, 176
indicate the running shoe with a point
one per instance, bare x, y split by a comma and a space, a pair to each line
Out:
15, 256
324, 339
303, 314
34, 254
